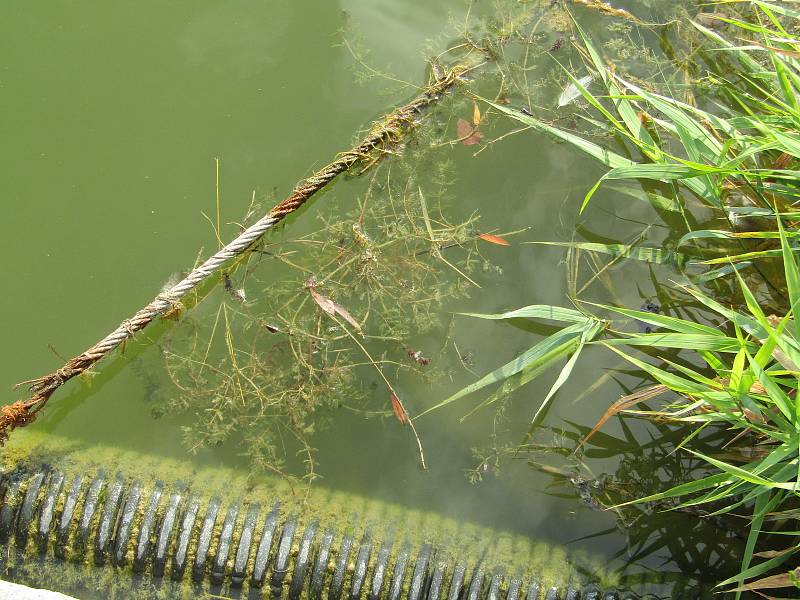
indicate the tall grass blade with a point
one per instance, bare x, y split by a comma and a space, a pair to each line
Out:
550, 349
535, 311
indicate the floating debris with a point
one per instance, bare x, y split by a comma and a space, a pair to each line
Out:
417, 357
467, 133
606, 9
237, 294
572, 92
494, 239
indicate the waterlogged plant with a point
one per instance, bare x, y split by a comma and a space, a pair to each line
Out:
307, 322
736, 156
746, 381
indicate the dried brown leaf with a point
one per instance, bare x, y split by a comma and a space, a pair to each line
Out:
468, 135
782, 162
328, 305
773, 581
341, 310
772, 553
398, 409
476, 114
781, 51
753, 416
622, 404
325, 303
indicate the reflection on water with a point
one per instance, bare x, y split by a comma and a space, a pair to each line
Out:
117, 119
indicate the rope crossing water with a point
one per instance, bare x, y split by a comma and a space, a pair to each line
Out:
381, 136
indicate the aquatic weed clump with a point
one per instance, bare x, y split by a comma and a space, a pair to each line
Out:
308, 322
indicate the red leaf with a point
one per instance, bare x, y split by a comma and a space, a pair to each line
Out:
463, 128
398, 409
468, 134
494, 239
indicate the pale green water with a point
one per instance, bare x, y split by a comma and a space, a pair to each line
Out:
112, 118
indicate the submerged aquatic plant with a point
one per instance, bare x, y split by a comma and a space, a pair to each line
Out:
737, 156
298, 323
281, 349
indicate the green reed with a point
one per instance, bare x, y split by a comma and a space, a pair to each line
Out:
736, 156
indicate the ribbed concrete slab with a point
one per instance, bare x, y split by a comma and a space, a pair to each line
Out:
13, 591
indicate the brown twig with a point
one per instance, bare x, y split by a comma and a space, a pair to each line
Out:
391, 390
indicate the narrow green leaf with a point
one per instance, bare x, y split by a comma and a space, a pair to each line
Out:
763, 504
776, 394
690, 341
551, 347
703, 234
743, 474
657, 256
536, 311
684, 489
672, 323
672, 381
657, 201
588, 334
792, 277
713, 274
746, 256
760, 568
606, 157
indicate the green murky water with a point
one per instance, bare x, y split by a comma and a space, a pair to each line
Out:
113, 116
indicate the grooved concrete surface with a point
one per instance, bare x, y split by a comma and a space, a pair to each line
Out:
13, 591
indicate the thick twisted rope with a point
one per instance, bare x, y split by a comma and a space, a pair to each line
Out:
382, 135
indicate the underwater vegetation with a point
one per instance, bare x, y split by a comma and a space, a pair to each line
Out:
293, 345
334, 317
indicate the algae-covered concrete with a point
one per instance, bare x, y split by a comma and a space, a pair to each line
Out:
392, 524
